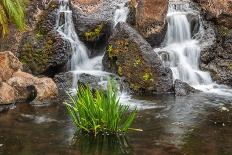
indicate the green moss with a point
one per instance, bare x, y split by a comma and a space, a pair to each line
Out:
146, 76
120, 70
137, 62
230, 66
95, 33
110, 50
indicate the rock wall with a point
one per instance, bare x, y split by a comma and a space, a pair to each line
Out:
218, 58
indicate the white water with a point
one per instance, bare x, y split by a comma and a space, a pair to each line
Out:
121, 14
80, 62
182, 53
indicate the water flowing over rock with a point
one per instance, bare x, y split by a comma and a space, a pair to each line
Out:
42, 50
8, 65
130, 56
150, 20
218, 58
93, 21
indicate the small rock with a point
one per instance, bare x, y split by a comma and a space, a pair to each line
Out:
1, 145
182, 88
225, 109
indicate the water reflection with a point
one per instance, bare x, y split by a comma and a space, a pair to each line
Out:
102, 144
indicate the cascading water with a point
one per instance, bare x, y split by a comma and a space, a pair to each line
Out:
121, 14
182, 53
80, 62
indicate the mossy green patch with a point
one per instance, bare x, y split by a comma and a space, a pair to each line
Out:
110, 50
94, 34
120, 70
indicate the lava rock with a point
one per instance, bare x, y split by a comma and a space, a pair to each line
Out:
43, 51
64, 80
131, 57
182, 88
150, 19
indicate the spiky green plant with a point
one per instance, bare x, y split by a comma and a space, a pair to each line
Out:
99, 112
11, 11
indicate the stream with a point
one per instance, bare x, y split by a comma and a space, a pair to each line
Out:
198, 124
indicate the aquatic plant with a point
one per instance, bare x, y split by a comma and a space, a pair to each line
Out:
99, 112
11, 10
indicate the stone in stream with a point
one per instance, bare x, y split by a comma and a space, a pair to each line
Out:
182, 88
131, 57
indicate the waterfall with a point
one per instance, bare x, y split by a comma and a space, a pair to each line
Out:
65, 27
182, 53
121, 14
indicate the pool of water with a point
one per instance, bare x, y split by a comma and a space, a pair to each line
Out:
199, 124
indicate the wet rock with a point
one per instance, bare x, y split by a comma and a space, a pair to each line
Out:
8, 65
42, 50
93, 22
28, 87
182, 88
7, 94
131, 57
95, 82
151, 20
64, 80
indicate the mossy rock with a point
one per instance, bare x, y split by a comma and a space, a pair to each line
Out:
131, 57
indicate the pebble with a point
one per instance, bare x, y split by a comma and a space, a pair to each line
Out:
1, 145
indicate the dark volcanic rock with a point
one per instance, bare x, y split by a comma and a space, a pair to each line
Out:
42, 50
93, 21
131, 57
64, 80
182, 88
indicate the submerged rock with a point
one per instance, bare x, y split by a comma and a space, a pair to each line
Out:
130, 56
150, 19
8, 65
182, 88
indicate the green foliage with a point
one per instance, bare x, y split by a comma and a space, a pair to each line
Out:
100, 112
12, 11
92, 35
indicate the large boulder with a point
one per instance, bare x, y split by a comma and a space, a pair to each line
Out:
131, 57
150, 19
8, 65
28, 87
93, 20
42, 50
7, 94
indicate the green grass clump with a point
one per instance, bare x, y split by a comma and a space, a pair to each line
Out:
99, 112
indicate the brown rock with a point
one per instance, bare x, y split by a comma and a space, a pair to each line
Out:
221, 10
29, 87
7, 94
8, 65
150, 20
